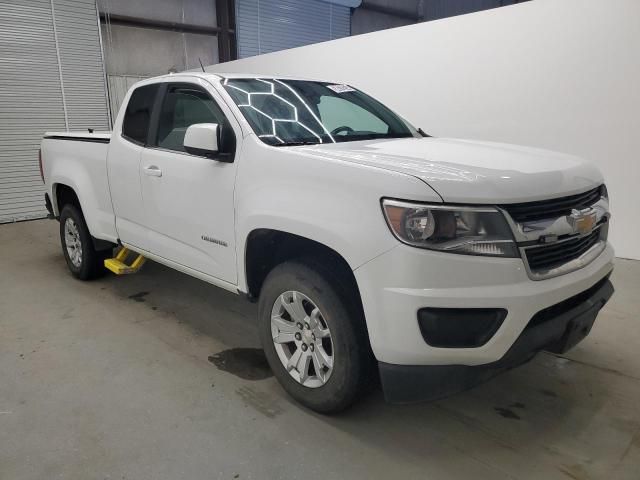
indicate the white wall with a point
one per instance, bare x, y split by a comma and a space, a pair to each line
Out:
559, 74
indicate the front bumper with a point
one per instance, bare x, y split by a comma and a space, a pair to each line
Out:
395, 285
556, 329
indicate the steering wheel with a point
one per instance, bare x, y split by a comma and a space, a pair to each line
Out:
343, 128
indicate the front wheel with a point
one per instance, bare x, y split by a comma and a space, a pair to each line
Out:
83, 260
313, 339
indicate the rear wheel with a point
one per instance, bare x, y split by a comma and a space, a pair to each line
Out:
314, 340
83, 260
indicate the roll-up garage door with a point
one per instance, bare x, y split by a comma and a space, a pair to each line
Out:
51, 78
265, 26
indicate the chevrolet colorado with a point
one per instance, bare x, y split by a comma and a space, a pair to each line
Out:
373, 250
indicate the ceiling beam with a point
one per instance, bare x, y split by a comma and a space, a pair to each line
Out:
162, 25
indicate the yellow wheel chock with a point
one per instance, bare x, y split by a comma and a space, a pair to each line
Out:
118, 266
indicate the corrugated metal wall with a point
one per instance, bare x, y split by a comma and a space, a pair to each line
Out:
30, 102
78, 37
374, 15
265, 26
51, 78
436, 9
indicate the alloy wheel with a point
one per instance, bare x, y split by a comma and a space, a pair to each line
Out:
302, 339
72, 242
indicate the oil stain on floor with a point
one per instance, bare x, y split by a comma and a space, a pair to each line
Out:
246, 363
138, 297
507, 413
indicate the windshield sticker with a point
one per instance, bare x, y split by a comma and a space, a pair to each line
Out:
341, 88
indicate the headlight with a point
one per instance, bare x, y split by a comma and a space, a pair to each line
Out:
455, 229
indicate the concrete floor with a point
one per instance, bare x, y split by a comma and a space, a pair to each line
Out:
111, 380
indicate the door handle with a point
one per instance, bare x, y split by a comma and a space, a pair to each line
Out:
152, 171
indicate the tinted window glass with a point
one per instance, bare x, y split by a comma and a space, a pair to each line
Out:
290, 112
336, 112
138, 114
182, 107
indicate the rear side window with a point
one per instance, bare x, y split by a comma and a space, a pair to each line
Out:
137, 117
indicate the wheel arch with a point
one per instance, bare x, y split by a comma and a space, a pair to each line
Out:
64, 194
265, 248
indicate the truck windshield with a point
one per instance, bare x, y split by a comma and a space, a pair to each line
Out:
298, 112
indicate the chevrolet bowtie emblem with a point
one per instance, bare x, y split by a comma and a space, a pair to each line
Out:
582, 221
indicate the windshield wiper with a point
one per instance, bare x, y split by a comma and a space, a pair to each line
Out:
295, 144
370, 136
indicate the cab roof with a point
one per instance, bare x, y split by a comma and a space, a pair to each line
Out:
224, 75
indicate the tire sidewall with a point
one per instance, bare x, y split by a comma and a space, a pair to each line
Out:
343, 384
83, 271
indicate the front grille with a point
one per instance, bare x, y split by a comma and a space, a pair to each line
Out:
557, 207
555, 254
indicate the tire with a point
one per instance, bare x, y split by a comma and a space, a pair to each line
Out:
315, 285
87, 263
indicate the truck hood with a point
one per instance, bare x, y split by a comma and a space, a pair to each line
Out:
467, 171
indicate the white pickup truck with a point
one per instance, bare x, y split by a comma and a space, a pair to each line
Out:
373, 249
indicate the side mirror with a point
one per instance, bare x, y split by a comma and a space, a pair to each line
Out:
202, 139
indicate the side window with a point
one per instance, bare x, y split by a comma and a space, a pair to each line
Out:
336, 112
183, 106
137, 116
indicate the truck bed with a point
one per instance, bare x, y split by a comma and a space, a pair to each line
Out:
79, 160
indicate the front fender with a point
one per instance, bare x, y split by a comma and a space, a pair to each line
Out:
332, 202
